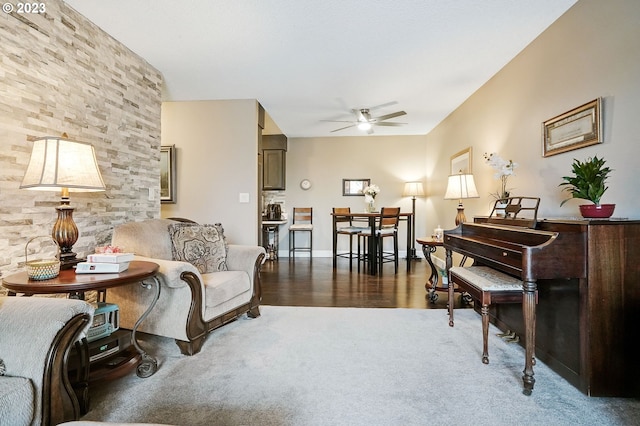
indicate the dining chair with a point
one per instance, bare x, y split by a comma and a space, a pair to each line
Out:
343, 225
386, 227
302, 222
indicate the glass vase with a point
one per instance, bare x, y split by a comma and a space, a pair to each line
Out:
371, 207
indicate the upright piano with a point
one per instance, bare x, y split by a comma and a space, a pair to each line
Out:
587, 275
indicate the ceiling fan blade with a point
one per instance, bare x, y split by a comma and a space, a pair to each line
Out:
388, 116
388, 123
342, 128
337, 121
382, 105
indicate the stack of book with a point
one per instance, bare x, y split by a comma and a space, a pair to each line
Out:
105, 263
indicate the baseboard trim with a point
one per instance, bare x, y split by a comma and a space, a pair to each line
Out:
283, 254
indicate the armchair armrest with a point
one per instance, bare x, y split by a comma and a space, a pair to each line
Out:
37, 335
170, 271
243, 258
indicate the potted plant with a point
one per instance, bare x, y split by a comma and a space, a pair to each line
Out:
589, 183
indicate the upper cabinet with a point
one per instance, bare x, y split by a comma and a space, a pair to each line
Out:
274, 162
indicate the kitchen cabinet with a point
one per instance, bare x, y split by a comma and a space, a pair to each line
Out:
274, 162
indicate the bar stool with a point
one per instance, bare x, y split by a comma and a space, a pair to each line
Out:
302, 222
387, 226
343, 225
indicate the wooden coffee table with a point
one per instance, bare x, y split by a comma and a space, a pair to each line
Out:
77, 284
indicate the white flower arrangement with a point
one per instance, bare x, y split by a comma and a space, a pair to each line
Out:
370, 193
504, 169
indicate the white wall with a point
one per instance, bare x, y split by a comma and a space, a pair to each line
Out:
591, 51
217, 159
388, 161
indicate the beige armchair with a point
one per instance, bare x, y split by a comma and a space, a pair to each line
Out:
36, 337
191, 303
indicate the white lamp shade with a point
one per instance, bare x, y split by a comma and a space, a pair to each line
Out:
461, 186
413, 189
59, 163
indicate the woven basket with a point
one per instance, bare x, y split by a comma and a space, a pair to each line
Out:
42, 269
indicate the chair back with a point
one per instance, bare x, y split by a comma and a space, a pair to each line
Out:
338, 211
302, 215
389, 218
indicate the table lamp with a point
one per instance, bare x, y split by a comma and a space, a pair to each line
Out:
459, 187
68, 166
413, 190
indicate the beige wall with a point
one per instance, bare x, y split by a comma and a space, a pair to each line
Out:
591, 51
217, 160
60, 73
388, 161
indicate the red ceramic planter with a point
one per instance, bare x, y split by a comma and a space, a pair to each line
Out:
594, 211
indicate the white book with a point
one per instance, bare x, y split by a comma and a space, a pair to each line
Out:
101, 268
110, 257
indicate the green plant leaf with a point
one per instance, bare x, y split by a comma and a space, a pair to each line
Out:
588, 180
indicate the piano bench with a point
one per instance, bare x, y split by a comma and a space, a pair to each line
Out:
487, 286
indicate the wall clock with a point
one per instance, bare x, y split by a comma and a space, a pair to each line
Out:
305, 184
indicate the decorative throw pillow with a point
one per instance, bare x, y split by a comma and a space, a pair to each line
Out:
204, 246
3, 369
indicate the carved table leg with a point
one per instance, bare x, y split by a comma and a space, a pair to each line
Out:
529, 313
148, 365
432, 284
449, 263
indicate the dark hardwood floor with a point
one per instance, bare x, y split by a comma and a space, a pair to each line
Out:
305, 282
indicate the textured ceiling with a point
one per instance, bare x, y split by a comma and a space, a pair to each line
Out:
307, 61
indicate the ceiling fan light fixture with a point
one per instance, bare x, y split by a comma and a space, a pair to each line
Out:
365, 125
365, 122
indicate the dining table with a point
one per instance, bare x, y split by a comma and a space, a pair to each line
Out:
372, 247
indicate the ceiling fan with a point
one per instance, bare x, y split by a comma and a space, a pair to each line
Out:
364, 121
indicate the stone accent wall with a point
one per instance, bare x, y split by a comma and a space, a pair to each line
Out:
61, 73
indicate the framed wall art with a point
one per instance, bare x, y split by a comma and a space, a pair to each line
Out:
461, 162
354, 186
168, 176
580, 127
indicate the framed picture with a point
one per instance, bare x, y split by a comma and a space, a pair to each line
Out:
168, 174
354, 186
461, 162
574, 129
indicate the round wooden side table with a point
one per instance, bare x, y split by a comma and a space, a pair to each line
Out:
429, 245
77, 284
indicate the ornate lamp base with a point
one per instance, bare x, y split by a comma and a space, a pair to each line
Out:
65, 232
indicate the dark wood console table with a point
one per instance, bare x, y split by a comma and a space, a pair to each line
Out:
77, 284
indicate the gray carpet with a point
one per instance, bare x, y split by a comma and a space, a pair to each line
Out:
350, 366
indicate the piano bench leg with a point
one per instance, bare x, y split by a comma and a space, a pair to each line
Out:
485, 333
